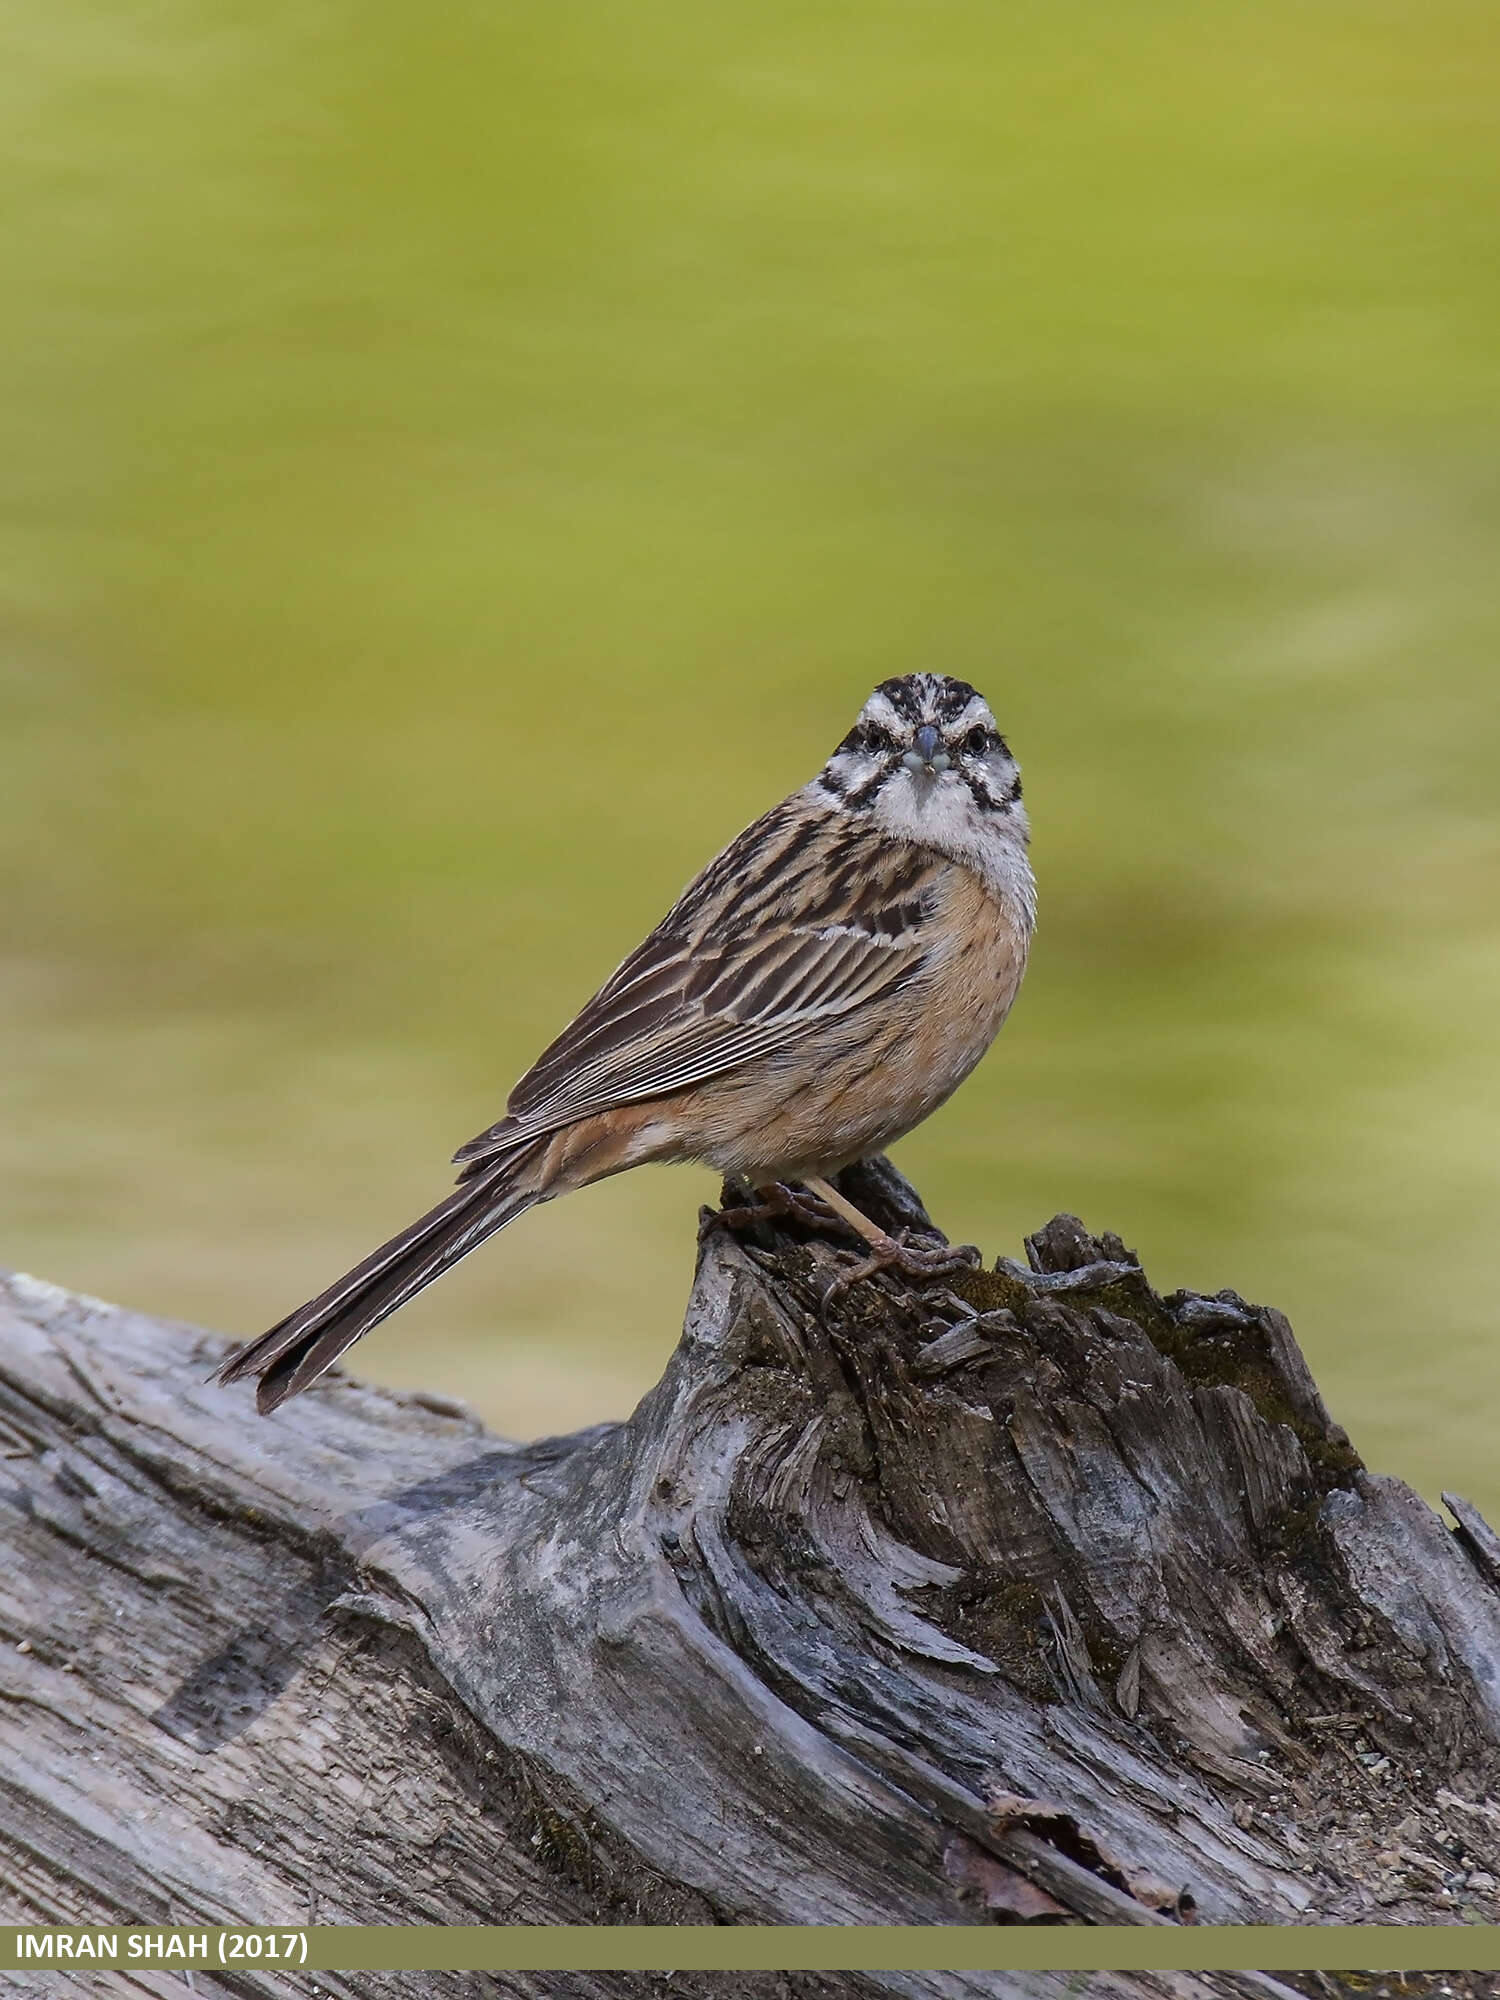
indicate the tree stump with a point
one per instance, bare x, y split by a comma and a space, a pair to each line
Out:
1036, 1598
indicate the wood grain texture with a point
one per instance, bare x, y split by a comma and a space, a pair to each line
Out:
1056, 1596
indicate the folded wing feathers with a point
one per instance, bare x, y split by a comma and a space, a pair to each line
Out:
706, 992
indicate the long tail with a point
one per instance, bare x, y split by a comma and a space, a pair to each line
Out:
295, 1352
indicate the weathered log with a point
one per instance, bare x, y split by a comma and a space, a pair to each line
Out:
1038, 1598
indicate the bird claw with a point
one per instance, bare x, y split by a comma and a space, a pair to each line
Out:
777, 1203
940, 1260
782, 1203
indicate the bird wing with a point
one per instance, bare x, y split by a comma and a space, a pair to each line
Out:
804, 918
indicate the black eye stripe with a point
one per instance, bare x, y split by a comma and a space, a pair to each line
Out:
868, 736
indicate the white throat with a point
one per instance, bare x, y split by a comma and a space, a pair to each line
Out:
939, 812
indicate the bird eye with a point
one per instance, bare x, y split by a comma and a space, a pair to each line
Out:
977, 742
873, 736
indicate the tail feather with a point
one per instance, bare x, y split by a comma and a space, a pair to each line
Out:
297, 1350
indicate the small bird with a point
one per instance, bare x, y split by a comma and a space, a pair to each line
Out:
825, 983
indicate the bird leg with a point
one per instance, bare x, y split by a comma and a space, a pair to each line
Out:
886, 1253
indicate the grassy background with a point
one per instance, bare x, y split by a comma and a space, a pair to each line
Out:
458, 465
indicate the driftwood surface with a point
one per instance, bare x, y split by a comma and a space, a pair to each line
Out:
1039, 1598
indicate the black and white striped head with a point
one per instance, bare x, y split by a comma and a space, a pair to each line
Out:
924, 742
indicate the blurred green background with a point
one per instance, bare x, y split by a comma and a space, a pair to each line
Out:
460, 464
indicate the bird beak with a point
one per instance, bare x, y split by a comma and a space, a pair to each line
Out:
926, 756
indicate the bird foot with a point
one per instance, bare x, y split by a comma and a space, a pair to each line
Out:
776, 1203
938, 1260
779, 1202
